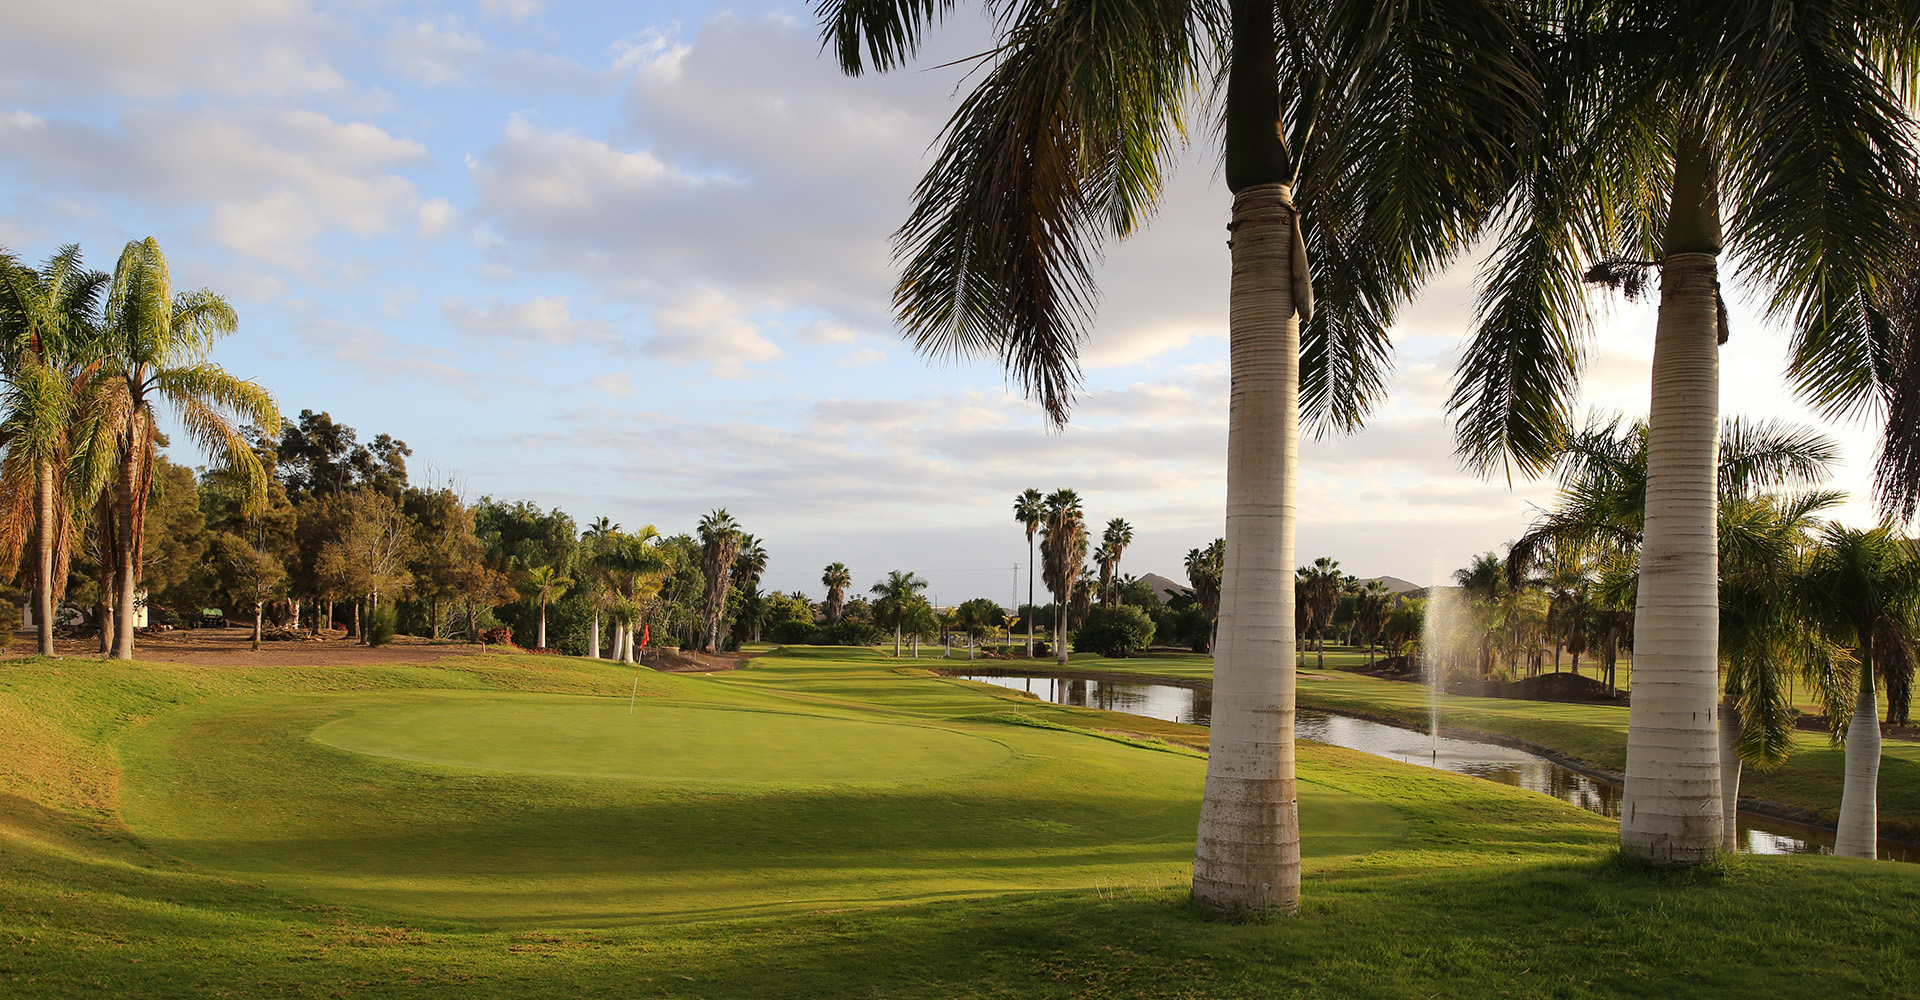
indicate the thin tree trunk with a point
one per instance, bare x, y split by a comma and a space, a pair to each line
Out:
43, 550
1247, 854
1030, 616
1730, 723
1060, 631
259, 609
1857, 835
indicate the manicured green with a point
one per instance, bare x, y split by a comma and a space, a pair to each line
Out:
171, 831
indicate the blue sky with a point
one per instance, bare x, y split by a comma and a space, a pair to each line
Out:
631, 259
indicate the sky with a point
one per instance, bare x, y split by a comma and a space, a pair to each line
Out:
632, 260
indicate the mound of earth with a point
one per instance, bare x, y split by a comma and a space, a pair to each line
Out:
1555, 687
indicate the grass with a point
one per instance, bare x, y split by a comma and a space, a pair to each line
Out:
1811, 779
500, 827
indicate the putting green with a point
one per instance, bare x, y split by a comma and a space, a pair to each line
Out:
598, 738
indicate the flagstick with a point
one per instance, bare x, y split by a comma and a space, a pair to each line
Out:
635, 694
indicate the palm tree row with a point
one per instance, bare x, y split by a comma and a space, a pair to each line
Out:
88, 359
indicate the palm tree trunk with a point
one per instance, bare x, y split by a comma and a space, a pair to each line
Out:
1030, 616
258, 614
1060, 631
1730, 722
543, 624
126, 568
896, 640
43, 550
1857, 835
593, 638
1671, 810
1247, 854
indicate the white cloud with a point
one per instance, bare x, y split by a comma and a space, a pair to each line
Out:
144, 50
547, 320
516, 10
618, 385
707, 327
860, 357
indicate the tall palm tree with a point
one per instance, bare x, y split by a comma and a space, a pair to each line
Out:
155, 347
895, 598
1775, 131
837, 578
1370, 613
46, 358
1029, 508
1103, 569
751, 562
1203, 575
1118, 536
1066, 141
720, 538
635, 566
547, 584
593, 541
1063, 555
1862, 587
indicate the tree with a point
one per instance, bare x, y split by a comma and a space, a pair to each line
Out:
1321, 586
894, 595
1029, 508
919, 619
46, 355
636, 566
837, 579
1063, 555
1370, 614
720, 544
1862, 588
250, 574
547, 584
1669, 110
1118, 536
1065, 141
1115, 630
1204, 567
592, 543
155, 349
976, 618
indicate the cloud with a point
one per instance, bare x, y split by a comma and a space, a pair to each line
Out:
270, 181
707, 327
145, 51
546, 320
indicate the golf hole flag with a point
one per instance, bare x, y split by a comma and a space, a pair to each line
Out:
645, 633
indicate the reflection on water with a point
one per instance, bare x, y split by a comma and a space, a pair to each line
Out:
1482, 760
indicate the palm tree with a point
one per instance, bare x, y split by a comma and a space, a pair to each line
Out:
1066, 140
1203, 575
46, 335
1029, 508
751, 562
635, 565
896, 596
719, 545
155, 349
547, 584
1320, 588
1114, 542
1863, 590
1063, 554
837, 579
1670, 108
593, 539
1370, 613
1103, 569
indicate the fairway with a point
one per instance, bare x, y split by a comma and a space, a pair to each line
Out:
598, 738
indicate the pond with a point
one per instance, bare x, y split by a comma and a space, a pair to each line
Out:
1194, 705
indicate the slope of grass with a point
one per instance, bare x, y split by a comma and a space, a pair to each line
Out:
218, 849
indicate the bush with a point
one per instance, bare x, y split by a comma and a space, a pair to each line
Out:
852, 634
502, 636
9, 620
381, 625
791, 632
1115, 630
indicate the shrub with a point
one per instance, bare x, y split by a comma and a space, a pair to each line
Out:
502, 636
1115, 630
846, 633
790, 632
9, 620
381, 625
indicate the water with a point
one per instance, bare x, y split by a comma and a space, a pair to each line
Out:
1492, 762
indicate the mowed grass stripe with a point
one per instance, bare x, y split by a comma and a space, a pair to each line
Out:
597, 737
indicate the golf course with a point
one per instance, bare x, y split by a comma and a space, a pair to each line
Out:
820, 821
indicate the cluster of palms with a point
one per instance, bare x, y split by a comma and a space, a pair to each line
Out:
1618, 141
87, 359
1832, 607
1325, 597
1062, 526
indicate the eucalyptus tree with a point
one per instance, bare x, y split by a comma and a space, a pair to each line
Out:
46, 357
1862, 587
836, 578
154, 350
894, 598
1063, 555
720, 538
1028, 509
1775, 131
1363, 132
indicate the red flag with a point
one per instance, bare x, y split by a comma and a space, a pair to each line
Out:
645, 634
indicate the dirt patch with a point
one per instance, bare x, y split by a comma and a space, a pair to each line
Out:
691, 662
1818, 724
230, 647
